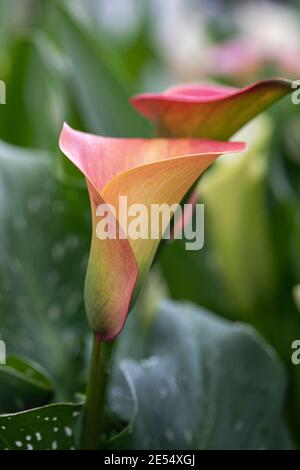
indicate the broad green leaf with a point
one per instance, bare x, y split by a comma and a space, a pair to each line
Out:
51, 427
213, 384
46, 93
15, 123
97, 79
23, 385
238, 227
36, 104
54, 427
44, 243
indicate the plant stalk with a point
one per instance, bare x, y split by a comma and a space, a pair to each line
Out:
93, 415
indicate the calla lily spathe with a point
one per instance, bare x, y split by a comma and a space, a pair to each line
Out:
147, 171
208, 111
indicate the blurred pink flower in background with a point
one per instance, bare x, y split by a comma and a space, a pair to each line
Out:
262, 37
270, 39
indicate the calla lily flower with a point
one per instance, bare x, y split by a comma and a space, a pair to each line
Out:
147, 171
208, 111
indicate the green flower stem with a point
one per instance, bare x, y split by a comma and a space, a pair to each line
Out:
93, 414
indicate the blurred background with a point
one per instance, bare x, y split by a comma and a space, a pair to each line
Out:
79, 61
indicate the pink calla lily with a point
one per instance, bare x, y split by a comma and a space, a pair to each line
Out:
208, 111
146, 171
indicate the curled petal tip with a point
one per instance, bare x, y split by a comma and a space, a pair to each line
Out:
209, 111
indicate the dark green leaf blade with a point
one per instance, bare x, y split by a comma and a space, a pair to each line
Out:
51, 427
44, 234
213, 385
23, 385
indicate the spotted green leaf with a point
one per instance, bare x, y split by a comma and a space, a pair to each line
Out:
23, 385
51, 427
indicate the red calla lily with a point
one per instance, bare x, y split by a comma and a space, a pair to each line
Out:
208, 111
